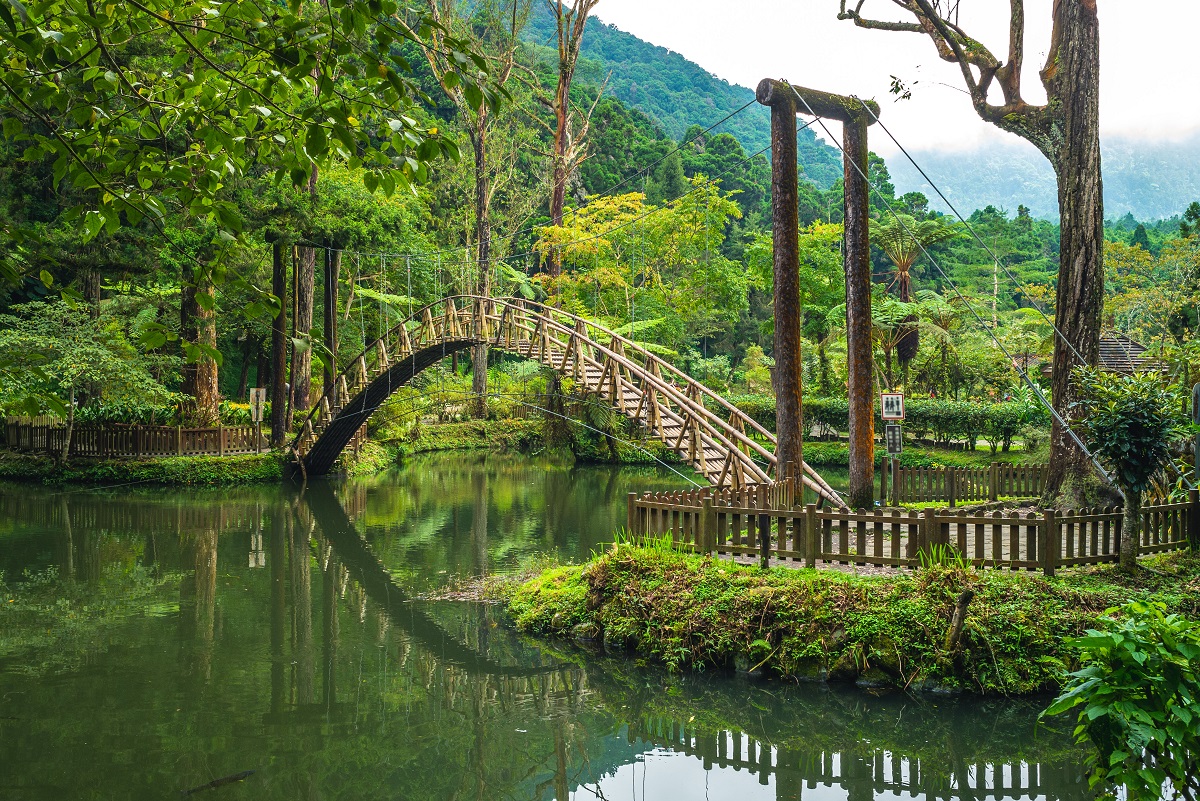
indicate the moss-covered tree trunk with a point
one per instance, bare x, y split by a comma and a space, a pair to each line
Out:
483, 234
302, 356
1074, 78
1131, 526
198, 325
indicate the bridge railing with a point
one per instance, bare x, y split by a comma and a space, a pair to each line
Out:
561, 339
752, 522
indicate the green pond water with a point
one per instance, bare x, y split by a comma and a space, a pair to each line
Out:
154, 641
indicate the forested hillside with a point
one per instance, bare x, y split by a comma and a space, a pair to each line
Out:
678, 93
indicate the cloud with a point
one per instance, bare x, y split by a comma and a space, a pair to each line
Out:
1145, 57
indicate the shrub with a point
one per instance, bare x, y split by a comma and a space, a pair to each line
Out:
946, 421
1137, 697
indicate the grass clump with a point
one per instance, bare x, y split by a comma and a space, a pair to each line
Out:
172, 470
879, 631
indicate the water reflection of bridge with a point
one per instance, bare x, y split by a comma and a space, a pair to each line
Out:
458, 673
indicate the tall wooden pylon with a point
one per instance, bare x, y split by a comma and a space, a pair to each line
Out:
786, 101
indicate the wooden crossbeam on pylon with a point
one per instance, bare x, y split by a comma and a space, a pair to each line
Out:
427, 333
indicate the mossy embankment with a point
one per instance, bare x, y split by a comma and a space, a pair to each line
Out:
702, 613
173, 470
525, 437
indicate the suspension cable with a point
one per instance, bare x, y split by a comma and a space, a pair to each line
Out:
1016, 282
1032, 385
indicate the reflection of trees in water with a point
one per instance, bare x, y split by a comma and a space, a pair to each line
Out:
480, 713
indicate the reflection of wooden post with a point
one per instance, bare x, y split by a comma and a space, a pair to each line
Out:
857, 261
785, 219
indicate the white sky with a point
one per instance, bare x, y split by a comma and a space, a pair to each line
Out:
1146, 59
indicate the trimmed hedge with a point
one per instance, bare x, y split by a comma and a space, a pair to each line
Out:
946, 421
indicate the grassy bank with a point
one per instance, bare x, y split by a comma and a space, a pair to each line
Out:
527, 437
837, 454
879, 631
174, 470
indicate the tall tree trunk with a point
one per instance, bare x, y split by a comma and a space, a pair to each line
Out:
302, 356
857, 262
279, 422
1066, 129
333, 261
483, 233
570, 24
785, 235
198, 324
249, 348
1080, 296
560, 173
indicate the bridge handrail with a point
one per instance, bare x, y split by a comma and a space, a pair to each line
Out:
691, 382
667, 382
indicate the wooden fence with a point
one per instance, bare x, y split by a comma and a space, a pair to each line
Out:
132, 441
754, 522
967, 484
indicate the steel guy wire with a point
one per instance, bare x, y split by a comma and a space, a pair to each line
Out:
1032, 385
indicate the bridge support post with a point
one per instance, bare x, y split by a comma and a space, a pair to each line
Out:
857, 253
786, 101
785, 224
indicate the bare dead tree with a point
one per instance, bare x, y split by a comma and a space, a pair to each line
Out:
1066, 129
570, 123
494, 26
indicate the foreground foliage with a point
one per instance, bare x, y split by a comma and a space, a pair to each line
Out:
1137, 697
702, 613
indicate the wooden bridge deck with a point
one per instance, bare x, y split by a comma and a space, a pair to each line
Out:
719, 441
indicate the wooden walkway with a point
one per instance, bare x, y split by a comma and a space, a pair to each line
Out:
717, 439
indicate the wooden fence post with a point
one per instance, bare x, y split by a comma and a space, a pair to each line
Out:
928, 536
764, 530
707, 541
1193, 527
220, 440
994, 482
1050, 541
812, 536
950, 485
179, 440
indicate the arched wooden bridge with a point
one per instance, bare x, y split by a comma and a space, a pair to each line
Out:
704, 428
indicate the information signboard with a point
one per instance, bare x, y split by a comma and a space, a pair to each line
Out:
894, 435
891, 405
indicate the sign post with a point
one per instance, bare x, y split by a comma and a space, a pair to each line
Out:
894, 437
1196, 420
258, 397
